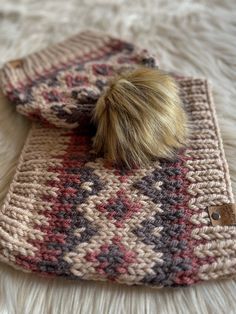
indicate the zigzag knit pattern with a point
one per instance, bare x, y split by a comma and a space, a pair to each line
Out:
73, 215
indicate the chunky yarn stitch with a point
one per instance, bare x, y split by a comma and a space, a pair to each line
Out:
60, 85
70, 214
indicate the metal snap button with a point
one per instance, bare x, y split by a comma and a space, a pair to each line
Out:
215, 216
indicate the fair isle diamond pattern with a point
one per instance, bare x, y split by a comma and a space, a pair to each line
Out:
115, 232
72, 215
71, 77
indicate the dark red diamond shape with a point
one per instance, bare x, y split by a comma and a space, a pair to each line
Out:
119, 208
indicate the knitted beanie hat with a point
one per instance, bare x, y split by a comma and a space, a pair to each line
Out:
68, 213
61, 84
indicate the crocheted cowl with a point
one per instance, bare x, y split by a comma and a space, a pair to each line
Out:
70, 214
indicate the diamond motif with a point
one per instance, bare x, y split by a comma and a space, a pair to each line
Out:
113, 259
119, 208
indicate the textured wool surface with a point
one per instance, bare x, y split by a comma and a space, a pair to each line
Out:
189, 38
70, 213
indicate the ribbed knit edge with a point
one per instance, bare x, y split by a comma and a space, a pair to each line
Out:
18, 73
217, 240
220, 142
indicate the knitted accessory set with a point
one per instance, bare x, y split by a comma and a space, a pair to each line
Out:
71, 214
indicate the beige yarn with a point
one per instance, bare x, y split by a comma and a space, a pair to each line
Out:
42, 162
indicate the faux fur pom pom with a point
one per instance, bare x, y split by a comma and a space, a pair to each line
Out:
139, 118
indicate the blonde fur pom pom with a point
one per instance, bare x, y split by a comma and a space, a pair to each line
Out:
139, 118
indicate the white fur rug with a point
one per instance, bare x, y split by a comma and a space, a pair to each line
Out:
191, 37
